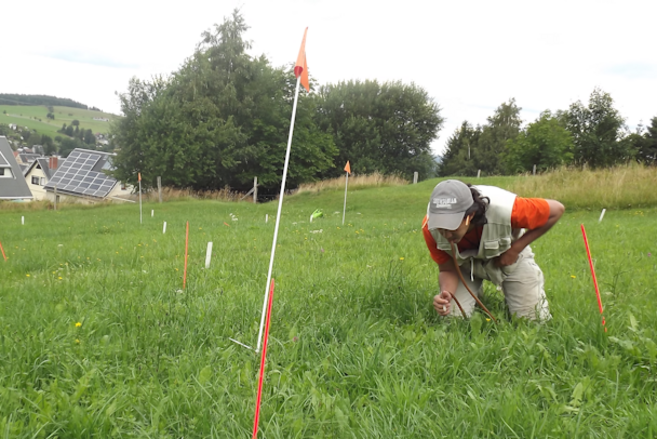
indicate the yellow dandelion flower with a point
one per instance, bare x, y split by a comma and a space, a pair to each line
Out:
60, 278
488, 320
401, 259
27, 275
572, 276
77, 341
78, 324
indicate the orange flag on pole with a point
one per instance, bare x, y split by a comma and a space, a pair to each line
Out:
138, 176
301, 67
347, 167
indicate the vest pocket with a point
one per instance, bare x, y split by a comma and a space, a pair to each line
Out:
491, 249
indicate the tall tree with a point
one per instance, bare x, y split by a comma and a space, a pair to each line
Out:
597, 131
385, 127
458, 158
544, 143
502, 126
222, 119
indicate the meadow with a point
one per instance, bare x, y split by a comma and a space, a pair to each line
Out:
24, 116
98, 338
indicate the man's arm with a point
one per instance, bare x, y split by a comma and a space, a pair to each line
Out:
511, 255
449, 281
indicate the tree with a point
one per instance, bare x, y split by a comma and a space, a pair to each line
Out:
385, 127
89, 137
597, 131
458, 157
222, 119
544, 143
646, 147
75, 123
504, 125
68, 145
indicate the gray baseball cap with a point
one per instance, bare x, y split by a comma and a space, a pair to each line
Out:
449, 201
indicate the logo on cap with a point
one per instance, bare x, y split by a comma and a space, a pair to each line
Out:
444, 203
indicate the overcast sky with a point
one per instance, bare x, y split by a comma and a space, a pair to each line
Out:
470, 56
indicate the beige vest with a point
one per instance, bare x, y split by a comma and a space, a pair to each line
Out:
497, 235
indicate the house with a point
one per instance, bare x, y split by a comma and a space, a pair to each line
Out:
12, 183
81, 178
38, 174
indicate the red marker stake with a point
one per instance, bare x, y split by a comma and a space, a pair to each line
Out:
186, 244
3, 252
595, 280
262, 361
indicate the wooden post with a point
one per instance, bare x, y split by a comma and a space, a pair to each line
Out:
159, 187
478, 173
415, 175
255, 190
534, 171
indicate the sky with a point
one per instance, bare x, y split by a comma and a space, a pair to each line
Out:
469, 55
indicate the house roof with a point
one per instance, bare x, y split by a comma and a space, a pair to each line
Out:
43, 163
27, 157
15, 187
82, 174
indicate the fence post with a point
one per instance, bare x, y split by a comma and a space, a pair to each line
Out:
534, 171
159, 187
415, 177
255, 190
478, 173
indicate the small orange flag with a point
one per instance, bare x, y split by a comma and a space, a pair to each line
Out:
348, 168
301, 67
139, 176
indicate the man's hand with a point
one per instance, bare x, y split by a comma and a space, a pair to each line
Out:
442, 302
507, 258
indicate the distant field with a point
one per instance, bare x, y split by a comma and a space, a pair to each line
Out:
24, 116
98, 339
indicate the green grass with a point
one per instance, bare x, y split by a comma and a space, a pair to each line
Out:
24, 116
355, 348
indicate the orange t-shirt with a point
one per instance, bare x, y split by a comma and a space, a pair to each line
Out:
527, 213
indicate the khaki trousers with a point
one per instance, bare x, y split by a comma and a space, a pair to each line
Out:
522, 284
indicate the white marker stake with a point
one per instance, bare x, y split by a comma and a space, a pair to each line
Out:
602, 215
311, 217
152, 213
266, 218
164, 229
22, 220
208, 255
280, 208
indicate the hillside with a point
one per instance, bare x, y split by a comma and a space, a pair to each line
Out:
34, 117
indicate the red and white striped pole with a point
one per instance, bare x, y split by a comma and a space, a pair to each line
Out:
262, 361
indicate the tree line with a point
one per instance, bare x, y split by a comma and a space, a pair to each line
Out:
224, 117
19, 99
592, 134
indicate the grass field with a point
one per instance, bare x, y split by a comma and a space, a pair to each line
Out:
98, 339
24, 116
